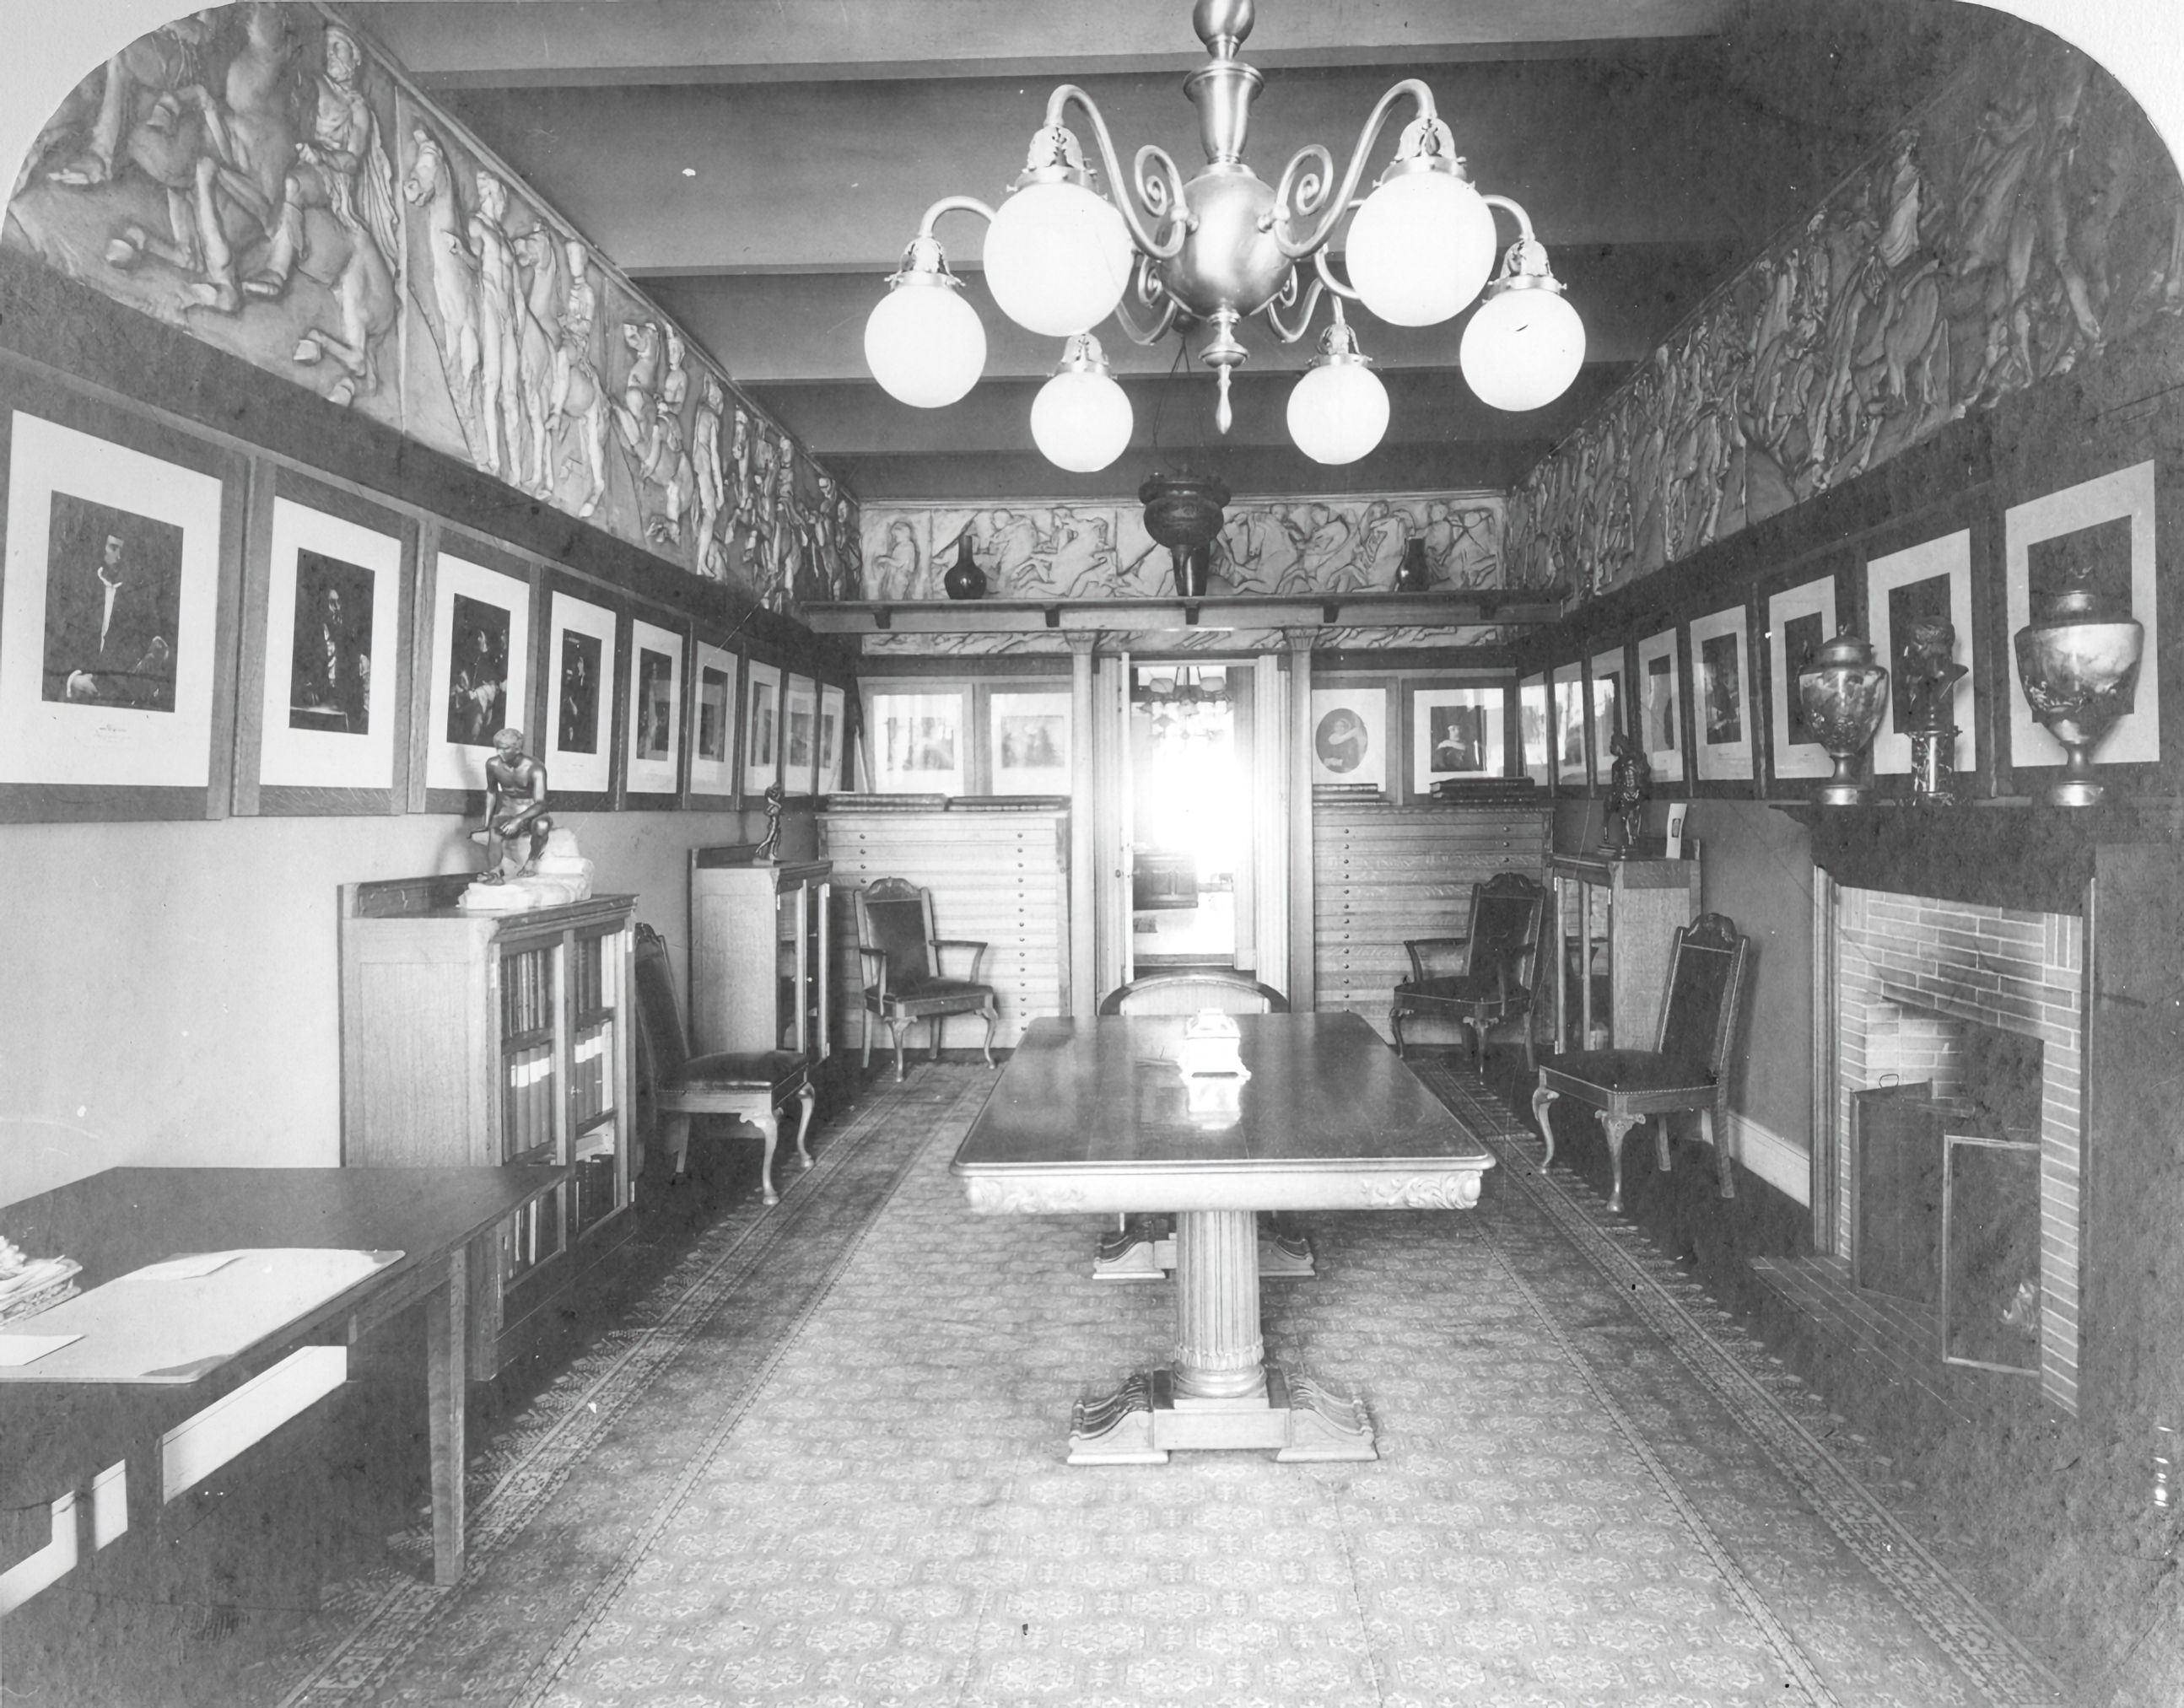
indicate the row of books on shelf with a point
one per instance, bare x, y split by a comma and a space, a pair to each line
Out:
590, 1093
526, 990
592, 1190
587, 964
534, 1234
529, 1107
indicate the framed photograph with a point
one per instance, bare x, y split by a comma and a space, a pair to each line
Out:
1658, 706
581, 693
917, 741
1028, 738
761, 728
109, 620
1350, 737
1457, 732
2100, 529
1723, 715
1909, 596
713, 723
799, 736
1800, 621
479, 681
1573, 769
1608, 700
656, 709
832, 704
1535, 721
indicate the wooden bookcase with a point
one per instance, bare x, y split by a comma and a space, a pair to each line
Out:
1627, 911
484, 1039
761, 939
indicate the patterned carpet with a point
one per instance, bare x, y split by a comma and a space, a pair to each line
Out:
822, 1465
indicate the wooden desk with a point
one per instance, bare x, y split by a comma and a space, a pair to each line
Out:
1092, 1116
64, 1438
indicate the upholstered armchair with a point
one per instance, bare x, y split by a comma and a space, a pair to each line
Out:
905, 983
1485, 978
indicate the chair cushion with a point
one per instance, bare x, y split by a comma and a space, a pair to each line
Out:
730, 1070
1457, 987
1629, 1070
928, 991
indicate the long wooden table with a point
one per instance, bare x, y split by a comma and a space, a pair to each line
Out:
66, 1438
1093, 1116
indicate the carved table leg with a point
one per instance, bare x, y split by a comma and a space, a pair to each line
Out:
1218, 1353
1144, 1249
1129, 1253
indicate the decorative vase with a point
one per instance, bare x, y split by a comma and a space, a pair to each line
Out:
1413, 575
965, 579
1185, 513
1844, 692
2078, 662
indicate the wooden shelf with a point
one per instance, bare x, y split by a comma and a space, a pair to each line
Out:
1523, 607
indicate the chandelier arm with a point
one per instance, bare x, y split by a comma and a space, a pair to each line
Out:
1325, 269
1310, 189
1290, 334
951, 204
1523, 220
1161, 189
1163, 321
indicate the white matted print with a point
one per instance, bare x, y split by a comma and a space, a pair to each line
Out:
832, 703
1029, 736
1928, 582
713, 734
1457, 733
917, 743
761, 728
1609, 703
2103, 528
1350, 737
581, 701
655, 708
1566, 726
1656, 706
1533, 722
334, 614
1721, 695
1800, 621
107, 614
480, 678
799, 734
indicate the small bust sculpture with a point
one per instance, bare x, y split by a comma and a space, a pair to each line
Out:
514, 808
769, 851
1930, 674
1630, 786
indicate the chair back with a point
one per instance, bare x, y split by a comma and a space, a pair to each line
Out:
662, 1045
1505, 929
895, 917
1190, 992
1706, 983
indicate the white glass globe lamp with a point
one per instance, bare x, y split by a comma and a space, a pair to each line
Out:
1525, 344
1422, 244
1058, 258
1081, 419
1338, 410
923, 342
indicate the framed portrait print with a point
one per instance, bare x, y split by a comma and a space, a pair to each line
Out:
832, 703
1722, 696
1800, 621
799, 736
713, 723
1350, 737
917, 741
1656, 706
1457, 732
581, 693
1573, 770
1534, 723
2101, 530
479, 681
1028, 737
761, 728
1909, 596
1608, 702
109, 620
656, 709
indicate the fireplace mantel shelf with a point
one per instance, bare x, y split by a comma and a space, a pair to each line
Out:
2012, 855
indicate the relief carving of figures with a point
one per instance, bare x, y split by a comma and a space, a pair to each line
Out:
576, 400
492, 258
430, 185
649, 419
897, 570
712, 481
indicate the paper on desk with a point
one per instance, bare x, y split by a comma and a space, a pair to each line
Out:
16, 1350
184, 1268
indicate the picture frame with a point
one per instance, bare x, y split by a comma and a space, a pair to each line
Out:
1606, 705
654, 752
1534, 722
1930, 580
1724, 705
1028, 737
1657, 705
761, 727
918, 740
154, 739
715, 678
834, 703
478, 680
1800, 621
2108, 524
1457, 732
799, 736
1350, 737
1567, 727
582, 696
323, 700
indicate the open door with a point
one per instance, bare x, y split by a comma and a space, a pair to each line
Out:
1186, 782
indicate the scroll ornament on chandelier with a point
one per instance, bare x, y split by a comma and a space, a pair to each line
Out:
1060, 258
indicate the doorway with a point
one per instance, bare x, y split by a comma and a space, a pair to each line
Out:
1190, 824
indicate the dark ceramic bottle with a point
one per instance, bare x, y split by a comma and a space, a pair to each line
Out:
965, 579
1412, 575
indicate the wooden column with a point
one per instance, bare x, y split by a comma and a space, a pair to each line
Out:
1219, 1352
1303, 988
1270, 820
1083, 803
1827, 1140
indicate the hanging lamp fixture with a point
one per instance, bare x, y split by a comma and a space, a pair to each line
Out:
1060, 257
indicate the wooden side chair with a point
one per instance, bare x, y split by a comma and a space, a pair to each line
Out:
1485, 978
1682, 1070
905, 983
753, 1087
1142, 1247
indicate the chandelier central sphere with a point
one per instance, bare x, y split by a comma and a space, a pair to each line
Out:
1060, 257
